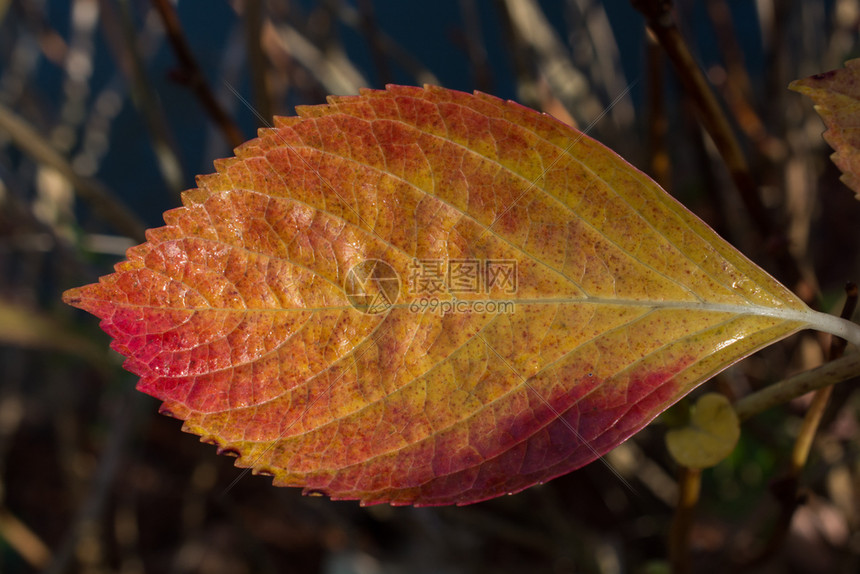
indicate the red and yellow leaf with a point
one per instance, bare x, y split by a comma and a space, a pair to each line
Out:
421, 296
837, 99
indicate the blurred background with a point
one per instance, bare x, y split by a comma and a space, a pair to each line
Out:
108, 109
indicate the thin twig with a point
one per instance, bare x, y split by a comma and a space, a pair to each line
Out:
193, 75
661, 21
780, 393
475, 46
371, 36
658, 123
737, 88
527, 91
396, 52
122, 37
256, 57
662, 24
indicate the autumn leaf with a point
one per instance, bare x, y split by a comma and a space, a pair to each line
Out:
421, 296
837, 99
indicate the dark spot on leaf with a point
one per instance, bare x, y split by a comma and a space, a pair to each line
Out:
824, 75
166, 412
228, 451
263, 472
317, 492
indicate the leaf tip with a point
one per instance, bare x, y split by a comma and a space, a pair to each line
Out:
73, 297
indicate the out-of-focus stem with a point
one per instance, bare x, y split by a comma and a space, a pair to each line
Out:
690, 485
662, 24
780, 393
660, 20
812, 420
101, 199
787, 490
800, 452
23, 540
256, 58
658, 124
120, 31
193, 75
371, 36
737, 88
